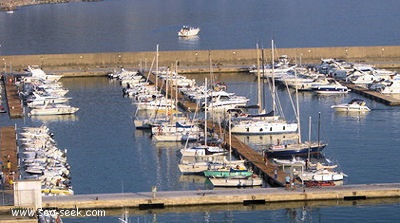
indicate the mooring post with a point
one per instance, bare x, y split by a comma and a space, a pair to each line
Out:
154, 191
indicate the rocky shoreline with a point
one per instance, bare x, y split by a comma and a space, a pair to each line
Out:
11, 5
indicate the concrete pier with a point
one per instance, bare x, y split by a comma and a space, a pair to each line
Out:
162, 199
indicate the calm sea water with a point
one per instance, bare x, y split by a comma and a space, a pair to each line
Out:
107, 154
128, 25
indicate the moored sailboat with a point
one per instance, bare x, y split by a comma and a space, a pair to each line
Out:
263, 123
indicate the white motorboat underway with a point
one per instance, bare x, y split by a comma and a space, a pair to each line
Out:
187, 31
355, 105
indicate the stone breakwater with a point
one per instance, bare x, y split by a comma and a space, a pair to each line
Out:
14, 4
197, 61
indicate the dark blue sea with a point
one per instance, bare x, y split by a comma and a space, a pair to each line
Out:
107, 154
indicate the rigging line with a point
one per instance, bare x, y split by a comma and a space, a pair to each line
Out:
151, 67
290, 97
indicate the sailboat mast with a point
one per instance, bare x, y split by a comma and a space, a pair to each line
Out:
264, 99
273, 77
319, 127
205, 112
176, 85
156, 68
166, 93
260, 105
309, 138
298, 109
230, 138
211, 84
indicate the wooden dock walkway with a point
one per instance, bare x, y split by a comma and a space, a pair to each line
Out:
162, 199
257, 162
183, 102
15, 107
374, 95
8, 155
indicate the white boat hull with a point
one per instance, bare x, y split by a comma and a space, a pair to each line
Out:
54, 111
345, 108
323, 175
236, 182
194, 167
167, 137
263, 128
188, 31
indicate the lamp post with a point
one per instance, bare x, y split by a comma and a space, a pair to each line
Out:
5, 65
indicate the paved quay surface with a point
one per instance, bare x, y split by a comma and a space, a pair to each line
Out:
229, 196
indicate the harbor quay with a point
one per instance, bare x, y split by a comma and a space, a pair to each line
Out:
209, 208
201, 200
162, 199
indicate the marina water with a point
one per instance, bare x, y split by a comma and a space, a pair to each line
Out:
107, 154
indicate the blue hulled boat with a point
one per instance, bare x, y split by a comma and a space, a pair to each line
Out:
298, 149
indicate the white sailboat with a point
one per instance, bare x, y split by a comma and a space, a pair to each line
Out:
204, 151
263, 123
298, 148
234, 174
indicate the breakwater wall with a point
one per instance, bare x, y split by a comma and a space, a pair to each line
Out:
197, 60
14, 4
